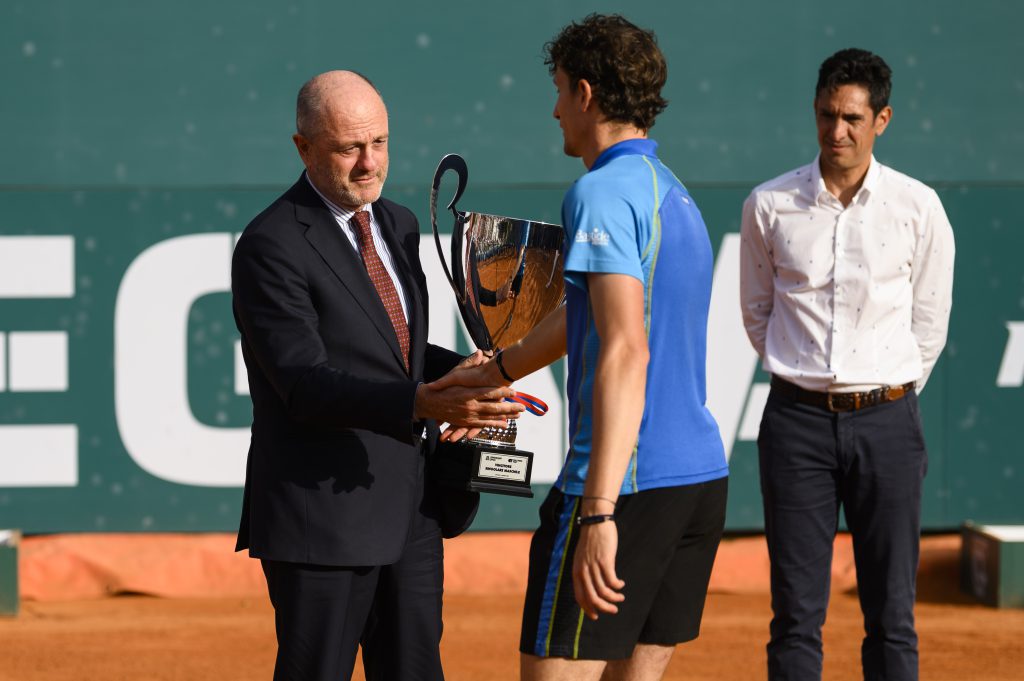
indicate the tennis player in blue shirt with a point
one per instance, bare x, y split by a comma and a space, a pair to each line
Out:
620, 565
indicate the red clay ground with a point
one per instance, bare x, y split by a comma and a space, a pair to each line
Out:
143, 638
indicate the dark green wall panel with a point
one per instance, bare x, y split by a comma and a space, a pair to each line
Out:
194, 93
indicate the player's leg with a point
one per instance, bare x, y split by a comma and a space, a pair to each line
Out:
558, 641
533, 668
678, 606
798, 467
550, 614
882, 500
648, 663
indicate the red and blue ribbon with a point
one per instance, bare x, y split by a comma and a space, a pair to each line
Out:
534, 405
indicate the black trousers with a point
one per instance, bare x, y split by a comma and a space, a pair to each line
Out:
871, 462
323, 614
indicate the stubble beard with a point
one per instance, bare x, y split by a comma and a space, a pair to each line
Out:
353, 195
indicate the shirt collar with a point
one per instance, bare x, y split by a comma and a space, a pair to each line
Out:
872, 178
869, 185
342, 215
637, 146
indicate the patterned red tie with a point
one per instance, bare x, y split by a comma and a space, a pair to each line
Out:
382, 282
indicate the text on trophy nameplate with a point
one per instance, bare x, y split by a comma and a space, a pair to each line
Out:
503, 466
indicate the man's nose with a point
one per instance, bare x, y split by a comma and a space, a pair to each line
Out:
368, 159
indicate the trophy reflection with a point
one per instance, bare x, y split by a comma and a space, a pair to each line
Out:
507, 277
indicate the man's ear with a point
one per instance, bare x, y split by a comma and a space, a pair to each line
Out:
882, 120
584, 94
302, 144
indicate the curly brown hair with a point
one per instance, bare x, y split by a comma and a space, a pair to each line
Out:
622, 63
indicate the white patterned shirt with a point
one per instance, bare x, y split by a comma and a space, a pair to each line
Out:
850, 298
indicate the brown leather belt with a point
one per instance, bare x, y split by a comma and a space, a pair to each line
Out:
835, 402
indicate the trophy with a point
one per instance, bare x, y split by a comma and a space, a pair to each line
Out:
507, 276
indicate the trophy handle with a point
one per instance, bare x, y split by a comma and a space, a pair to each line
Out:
456, 275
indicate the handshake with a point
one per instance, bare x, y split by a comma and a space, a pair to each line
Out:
472, 396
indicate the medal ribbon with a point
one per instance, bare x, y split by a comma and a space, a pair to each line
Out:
534, 405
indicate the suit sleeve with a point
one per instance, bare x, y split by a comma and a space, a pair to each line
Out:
438, 362
279, 325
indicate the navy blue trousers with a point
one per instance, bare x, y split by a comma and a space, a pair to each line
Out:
323, 614
871, 462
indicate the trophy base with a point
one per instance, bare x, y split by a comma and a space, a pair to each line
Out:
479, 467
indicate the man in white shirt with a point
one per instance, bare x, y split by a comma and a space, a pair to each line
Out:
846, 286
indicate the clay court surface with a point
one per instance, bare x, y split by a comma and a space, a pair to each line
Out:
158, 638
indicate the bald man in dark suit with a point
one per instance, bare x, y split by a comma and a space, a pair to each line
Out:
331, 303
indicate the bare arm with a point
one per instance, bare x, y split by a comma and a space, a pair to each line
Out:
542, 346
617, 302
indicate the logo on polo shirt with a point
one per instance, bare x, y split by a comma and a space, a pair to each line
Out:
595, 237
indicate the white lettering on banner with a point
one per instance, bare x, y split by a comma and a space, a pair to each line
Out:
241, 378
39, 455
38, 361
151, 403
1011, 370
37, 266
731, 359
36, 455
751, 424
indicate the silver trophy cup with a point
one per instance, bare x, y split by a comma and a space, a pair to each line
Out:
507, 276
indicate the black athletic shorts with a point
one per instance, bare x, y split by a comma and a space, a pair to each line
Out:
668, 538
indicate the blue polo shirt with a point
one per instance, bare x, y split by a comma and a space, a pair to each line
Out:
630, 215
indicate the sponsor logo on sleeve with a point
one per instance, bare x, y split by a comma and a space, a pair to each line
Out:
595, 237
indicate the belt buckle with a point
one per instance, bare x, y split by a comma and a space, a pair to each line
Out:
831, 405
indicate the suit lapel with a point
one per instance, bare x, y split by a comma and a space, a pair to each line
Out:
324, 235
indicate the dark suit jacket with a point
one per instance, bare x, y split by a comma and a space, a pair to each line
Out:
336, 463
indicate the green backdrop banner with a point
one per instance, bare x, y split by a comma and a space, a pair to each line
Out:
123, 403
139, 138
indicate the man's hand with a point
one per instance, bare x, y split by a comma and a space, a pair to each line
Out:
472, 372
456, 433
477, 370
476, 359
471, 407
594, 581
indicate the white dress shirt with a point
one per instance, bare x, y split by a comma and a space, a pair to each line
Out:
842, 299
344, 219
